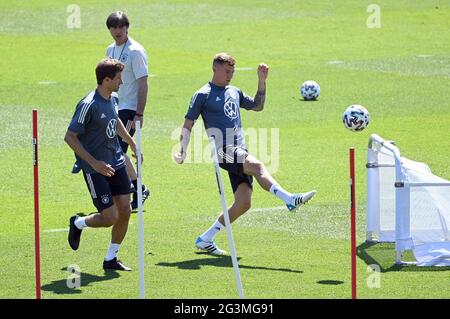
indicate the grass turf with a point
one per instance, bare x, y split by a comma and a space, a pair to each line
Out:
399, 72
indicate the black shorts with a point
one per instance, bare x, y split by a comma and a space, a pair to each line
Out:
103, 188
232, 160
126, 116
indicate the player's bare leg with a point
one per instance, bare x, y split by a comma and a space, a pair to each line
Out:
118, 232
120, 227
131, 171
242, 203
106, 218
255, 168
132, 174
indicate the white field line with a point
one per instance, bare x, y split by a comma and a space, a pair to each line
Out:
335, 62
61, 230
56, 230
267, 209
255, 210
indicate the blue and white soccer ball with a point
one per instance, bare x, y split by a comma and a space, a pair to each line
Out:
310, 90
356, 117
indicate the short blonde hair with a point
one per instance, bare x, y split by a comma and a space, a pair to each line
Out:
224, 58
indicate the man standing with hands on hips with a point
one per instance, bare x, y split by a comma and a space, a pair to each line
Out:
133, 91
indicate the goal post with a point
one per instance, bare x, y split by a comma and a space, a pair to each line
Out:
406, 204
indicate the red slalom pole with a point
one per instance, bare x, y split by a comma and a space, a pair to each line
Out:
36, 206
353, 218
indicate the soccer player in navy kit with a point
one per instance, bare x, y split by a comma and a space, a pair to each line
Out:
218, 103
92, 135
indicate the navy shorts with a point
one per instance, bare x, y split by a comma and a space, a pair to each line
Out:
103, 188
231, 159
126, 116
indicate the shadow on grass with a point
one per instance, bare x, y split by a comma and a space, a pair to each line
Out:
133, 211
383, 255
330, 282
307, 101
218, 261
136, 211
81, 214
60, 286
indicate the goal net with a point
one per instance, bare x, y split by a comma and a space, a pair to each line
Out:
407, 204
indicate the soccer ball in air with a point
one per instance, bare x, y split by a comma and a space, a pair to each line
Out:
310, 90
356, 117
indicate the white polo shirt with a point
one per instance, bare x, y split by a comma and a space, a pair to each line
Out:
134, 56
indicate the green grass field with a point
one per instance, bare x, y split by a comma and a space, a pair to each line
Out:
400, 72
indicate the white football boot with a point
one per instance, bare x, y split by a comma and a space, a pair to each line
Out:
300, 199
209, 246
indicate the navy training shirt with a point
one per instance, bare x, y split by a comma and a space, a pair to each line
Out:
95, 122
219, 108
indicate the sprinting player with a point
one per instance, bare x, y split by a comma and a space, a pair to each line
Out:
133, 91
218, 103
92, 135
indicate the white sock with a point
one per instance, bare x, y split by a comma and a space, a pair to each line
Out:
80, 222
112, 251
212, 231
279, 192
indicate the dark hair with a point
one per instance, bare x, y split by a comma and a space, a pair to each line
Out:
108, 68
224, 58
117, 19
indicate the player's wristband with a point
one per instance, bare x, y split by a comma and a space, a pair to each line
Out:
139, 114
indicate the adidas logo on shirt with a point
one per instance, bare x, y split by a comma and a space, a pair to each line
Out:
103, 116
217, 99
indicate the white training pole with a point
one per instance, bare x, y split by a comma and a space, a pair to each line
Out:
140, 217
37, 249
227, 220
353, 220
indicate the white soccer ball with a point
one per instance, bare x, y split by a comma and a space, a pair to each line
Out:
356, 117
310, 90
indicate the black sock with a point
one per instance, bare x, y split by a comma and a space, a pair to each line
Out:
135, 190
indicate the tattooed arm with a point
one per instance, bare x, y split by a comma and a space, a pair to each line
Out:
260, 97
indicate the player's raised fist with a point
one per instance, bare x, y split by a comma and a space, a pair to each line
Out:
263, 71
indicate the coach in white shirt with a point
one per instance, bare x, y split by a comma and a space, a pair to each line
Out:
133, 91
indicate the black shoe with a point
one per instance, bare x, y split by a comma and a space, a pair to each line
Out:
145, 195
115, 264
74, 233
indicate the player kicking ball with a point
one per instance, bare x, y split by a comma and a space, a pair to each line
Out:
218, 103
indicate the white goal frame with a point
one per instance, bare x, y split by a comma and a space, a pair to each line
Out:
403, 240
